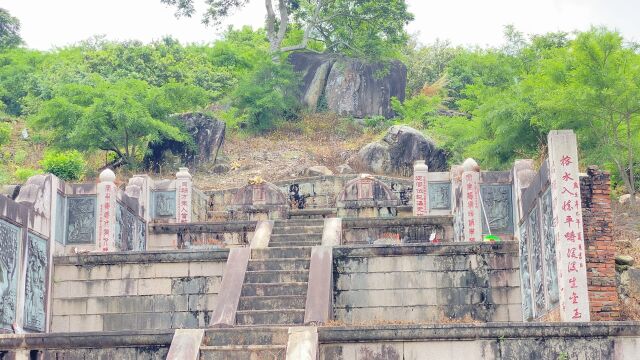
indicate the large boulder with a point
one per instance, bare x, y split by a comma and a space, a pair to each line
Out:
347, 86
397, 151
207, 134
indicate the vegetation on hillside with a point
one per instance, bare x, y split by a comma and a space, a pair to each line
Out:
109, 100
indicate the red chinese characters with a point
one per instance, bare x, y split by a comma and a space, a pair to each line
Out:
184, 196
420, 184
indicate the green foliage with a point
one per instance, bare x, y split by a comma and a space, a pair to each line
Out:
23, 174
5, 133
427, 64
9, 30
416, 110
369, 29
266, 95
67, 165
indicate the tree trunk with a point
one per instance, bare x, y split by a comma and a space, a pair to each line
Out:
632, 184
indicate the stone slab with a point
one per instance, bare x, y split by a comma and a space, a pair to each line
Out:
185, 344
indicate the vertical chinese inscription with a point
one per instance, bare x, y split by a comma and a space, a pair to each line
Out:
551, 269
164, 204
365, 189
35, 284
536, 260
471, 206
184, 200
567, 218
420, 194
10, 237
107, 212
498, 208
439, 195
525, 275
81, 220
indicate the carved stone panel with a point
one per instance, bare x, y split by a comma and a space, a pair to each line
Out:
59, 218
498, 205
536, 261
125, 228
525, 275
164, 204
10, 238
36, 284
81, 220
551, 270
439, 195
140, 243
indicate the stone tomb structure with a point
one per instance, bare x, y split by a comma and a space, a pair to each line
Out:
490, 265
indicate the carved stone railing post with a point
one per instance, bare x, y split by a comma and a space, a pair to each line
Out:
567, 218
471, 207
183, 195
420, 192
106, 226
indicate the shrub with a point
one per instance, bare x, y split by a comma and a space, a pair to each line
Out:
23, 174
67, 165
5, 133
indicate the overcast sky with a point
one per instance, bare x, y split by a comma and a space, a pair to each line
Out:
51, 23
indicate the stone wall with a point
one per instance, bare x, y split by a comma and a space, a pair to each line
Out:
427, 283
600, 245
135, 291
617, 341
364, 231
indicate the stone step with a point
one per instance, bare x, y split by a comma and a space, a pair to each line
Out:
312, 229
243, 352
270, 317
271, 302
299, 222
298, 288
246, 336
276, 276
278, 264
294, 243
296, 237
273, 253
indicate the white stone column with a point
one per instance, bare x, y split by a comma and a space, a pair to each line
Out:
472, 214
420, 191
183, 195
567, 220
106, 226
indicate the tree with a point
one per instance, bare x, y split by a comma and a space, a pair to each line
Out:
368, 28
120, 117
593, 86
9, 30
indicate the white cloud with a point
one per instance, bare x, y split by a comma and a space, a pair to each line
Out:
46, 24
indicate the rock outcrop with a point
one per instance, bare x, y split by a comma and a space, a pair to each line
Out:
396, 152
207, 134
347, 86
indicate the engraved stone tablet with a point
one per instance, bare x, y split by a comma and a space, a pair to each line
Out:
81, 220
536, 261
59, 218
551, 270
525, 276
499, 209
164, 204
35, 284
439, 195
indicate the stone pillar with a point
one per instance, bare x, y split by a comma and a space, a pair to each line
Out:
567, 216
184, 189
600, 247
472, 214
139, 187
420, 193
106, 190
523, 175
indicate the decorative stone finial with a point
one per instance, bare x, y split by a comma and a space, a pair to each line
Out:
183, 173
256, 180
470, 165
107, 175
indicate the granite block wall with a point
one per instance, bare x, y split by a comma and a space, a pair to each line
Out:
143, 291
427, 283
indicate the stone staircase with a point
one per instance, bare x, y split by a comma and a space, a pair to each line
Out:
273, 295
244, 343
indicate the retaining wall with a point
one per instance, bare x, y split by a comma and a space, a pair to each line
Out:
427, 283
135, 291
